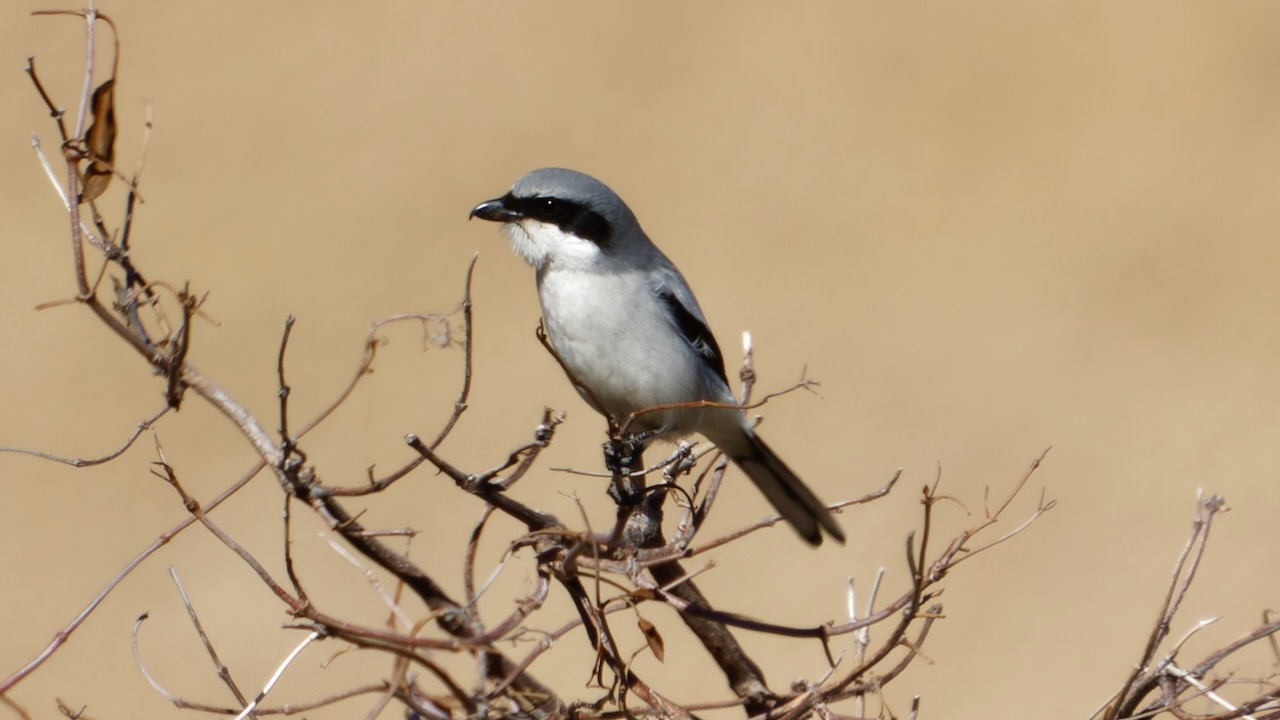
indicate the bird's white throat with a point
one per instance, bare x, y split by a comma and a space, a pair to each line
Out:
539, 243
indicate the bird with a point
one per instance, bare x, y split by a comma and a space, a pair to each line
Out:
629, 333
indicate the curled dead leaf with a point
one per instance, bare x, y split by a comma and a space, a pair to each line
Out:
101, 142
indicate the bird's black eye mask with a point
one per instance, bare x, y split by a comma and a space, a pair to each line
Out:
568, 215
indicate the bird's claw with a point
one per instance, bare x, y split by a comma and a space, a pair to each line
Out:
622, 454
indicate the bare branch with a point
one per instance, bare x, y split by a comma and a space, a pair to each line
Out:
166, 472
63, 635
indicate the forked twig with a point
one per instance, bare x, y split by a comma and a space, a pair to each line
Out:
63, 635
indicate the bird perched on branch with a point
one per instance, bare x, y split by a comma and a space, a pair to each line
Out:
629, 333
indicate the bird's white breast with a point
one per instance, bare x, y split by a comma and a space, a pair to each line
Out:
613, 336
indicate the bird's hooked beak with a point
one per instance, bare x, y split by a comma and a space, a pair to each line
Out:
495, 210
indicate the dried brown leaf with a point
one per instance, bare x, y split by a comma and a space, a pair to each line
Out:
101, 142
653, 637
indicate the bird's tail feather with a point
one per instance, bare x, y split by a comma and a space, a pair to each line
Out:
785, 491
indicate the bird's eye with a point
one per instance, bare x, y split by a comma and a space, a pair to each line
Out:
553, 209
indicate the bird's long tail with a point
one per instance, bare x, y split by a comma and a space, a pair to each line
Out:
785, 491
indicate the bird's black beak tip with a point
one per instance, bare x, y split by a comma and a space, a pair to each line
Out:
494, 210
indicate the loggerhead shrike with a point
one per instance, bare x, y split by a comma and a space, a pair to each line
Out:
628, 331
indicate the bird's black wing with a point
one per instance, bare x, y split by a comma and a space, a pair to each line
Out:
694, 329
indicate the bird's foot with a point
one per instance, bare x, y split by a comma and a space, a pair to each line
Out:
623, 456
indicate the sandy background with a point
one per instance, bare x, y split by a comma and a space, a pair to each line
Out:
988, 228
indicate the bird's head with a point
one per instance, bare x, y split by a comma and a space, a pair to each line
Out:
564, 217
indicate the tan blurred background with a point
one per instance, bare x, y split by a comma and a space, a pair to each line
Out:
987, 228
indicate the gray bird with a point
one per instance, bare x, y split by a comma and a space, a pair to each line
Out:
629, 332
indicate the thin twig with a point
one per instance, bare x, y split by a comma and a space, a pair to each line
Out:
489, 492
702, 404
88, 462
62, 195
275, 677
290, 570
55, 112
372, 579
142, 667
460, 405
224, 673
1187, 677
18, 710
283, 393
1139, 682
365, 367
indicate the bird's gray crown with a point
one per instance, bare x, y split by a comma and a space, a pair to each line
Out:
565, 184
574, 201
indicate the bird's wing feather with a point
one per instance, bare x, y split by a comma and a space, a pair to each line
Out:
686, 317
